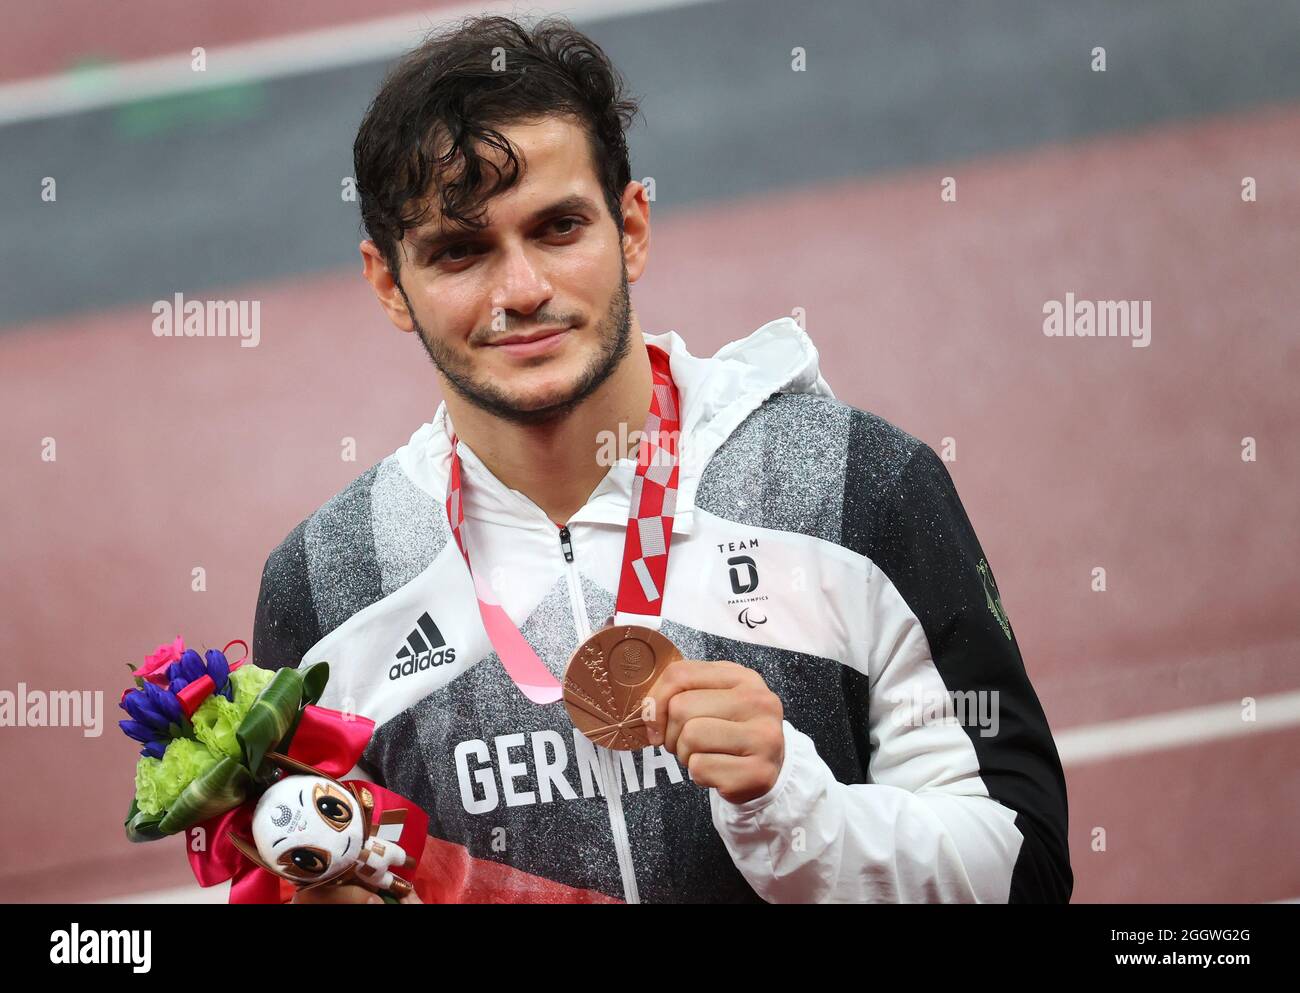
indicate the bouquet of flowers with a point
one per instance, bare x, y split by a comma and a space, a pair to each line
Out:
242, 760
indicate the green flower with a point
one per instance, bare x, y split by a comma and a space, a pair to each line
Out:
217, 718
249, 681
158, 782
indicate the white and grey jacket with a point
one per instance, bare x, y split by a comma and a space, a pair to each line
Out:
815, 543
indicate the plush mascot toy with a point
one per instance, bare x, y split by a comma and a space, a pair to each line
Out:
314, 830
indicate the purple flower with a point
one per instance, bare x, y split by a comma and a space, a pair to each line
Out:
142, 709
218, 667
140, 732
154, 749
191, 666
165, 703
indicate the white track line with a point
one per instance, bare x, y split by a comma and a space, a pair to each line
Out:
193, 893
1115, 739
317, 50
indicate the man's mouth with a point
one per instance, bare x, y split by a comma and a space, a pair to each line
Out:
531, 342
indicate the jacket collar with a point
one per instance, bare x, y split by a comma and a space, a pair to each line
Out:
717, 393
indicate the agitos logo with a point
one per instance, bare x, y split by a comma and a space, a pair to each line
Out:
424, 649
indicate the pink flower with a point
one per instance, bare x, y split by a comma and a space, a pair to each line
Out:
155, 665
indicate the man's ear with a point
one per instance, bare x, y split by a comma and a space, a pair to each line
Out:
381, 280
636, 229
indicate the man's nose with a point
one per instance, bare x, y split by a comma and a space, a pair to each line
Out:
524, 285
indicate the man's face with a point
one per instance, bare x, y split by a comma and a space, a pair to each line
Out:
527, 317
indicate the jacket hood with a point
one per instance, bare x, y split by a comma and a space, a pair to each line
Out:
717, 393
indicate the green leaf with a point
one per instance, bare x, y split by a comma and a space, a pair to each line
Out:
219, 789
270, 717
141, 827
314, 678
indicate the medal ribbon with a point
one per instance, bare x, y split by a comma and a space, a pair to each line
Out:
645, 544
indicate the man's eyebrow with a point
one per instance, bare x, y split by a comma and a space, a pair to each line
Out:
437, 237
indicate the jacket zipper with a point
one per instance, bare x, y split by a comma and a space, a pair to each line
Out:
613, 798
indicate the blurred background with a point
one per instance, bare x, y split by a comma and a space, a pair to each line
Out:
1169, 176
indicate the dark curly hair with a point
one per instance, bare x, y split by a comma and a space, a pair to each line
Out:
451, 92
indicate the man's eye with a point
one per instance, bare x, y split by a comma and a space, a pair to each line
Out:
452, 253
446, 253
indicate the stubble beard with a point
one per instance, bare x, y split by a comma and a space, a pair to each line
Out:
614, 332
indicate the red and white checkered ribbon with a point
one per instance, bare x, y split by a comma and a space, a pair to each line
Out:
645, 544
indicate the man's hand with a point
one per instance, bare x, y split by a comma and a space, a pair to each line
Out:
722, 723
345, 894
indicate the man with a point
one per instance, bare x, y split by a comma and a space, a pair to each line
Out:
824, 586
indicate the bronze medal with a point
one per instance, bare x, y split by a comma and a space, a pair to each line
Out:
607, 679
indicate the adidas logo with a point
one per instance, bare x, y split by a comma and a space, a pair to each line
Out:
424, 648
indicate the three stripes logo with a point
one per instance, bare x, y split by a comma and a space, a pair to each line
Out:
424, 649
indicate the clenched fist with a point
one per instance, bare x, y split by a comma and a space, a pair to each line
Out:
722, 723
